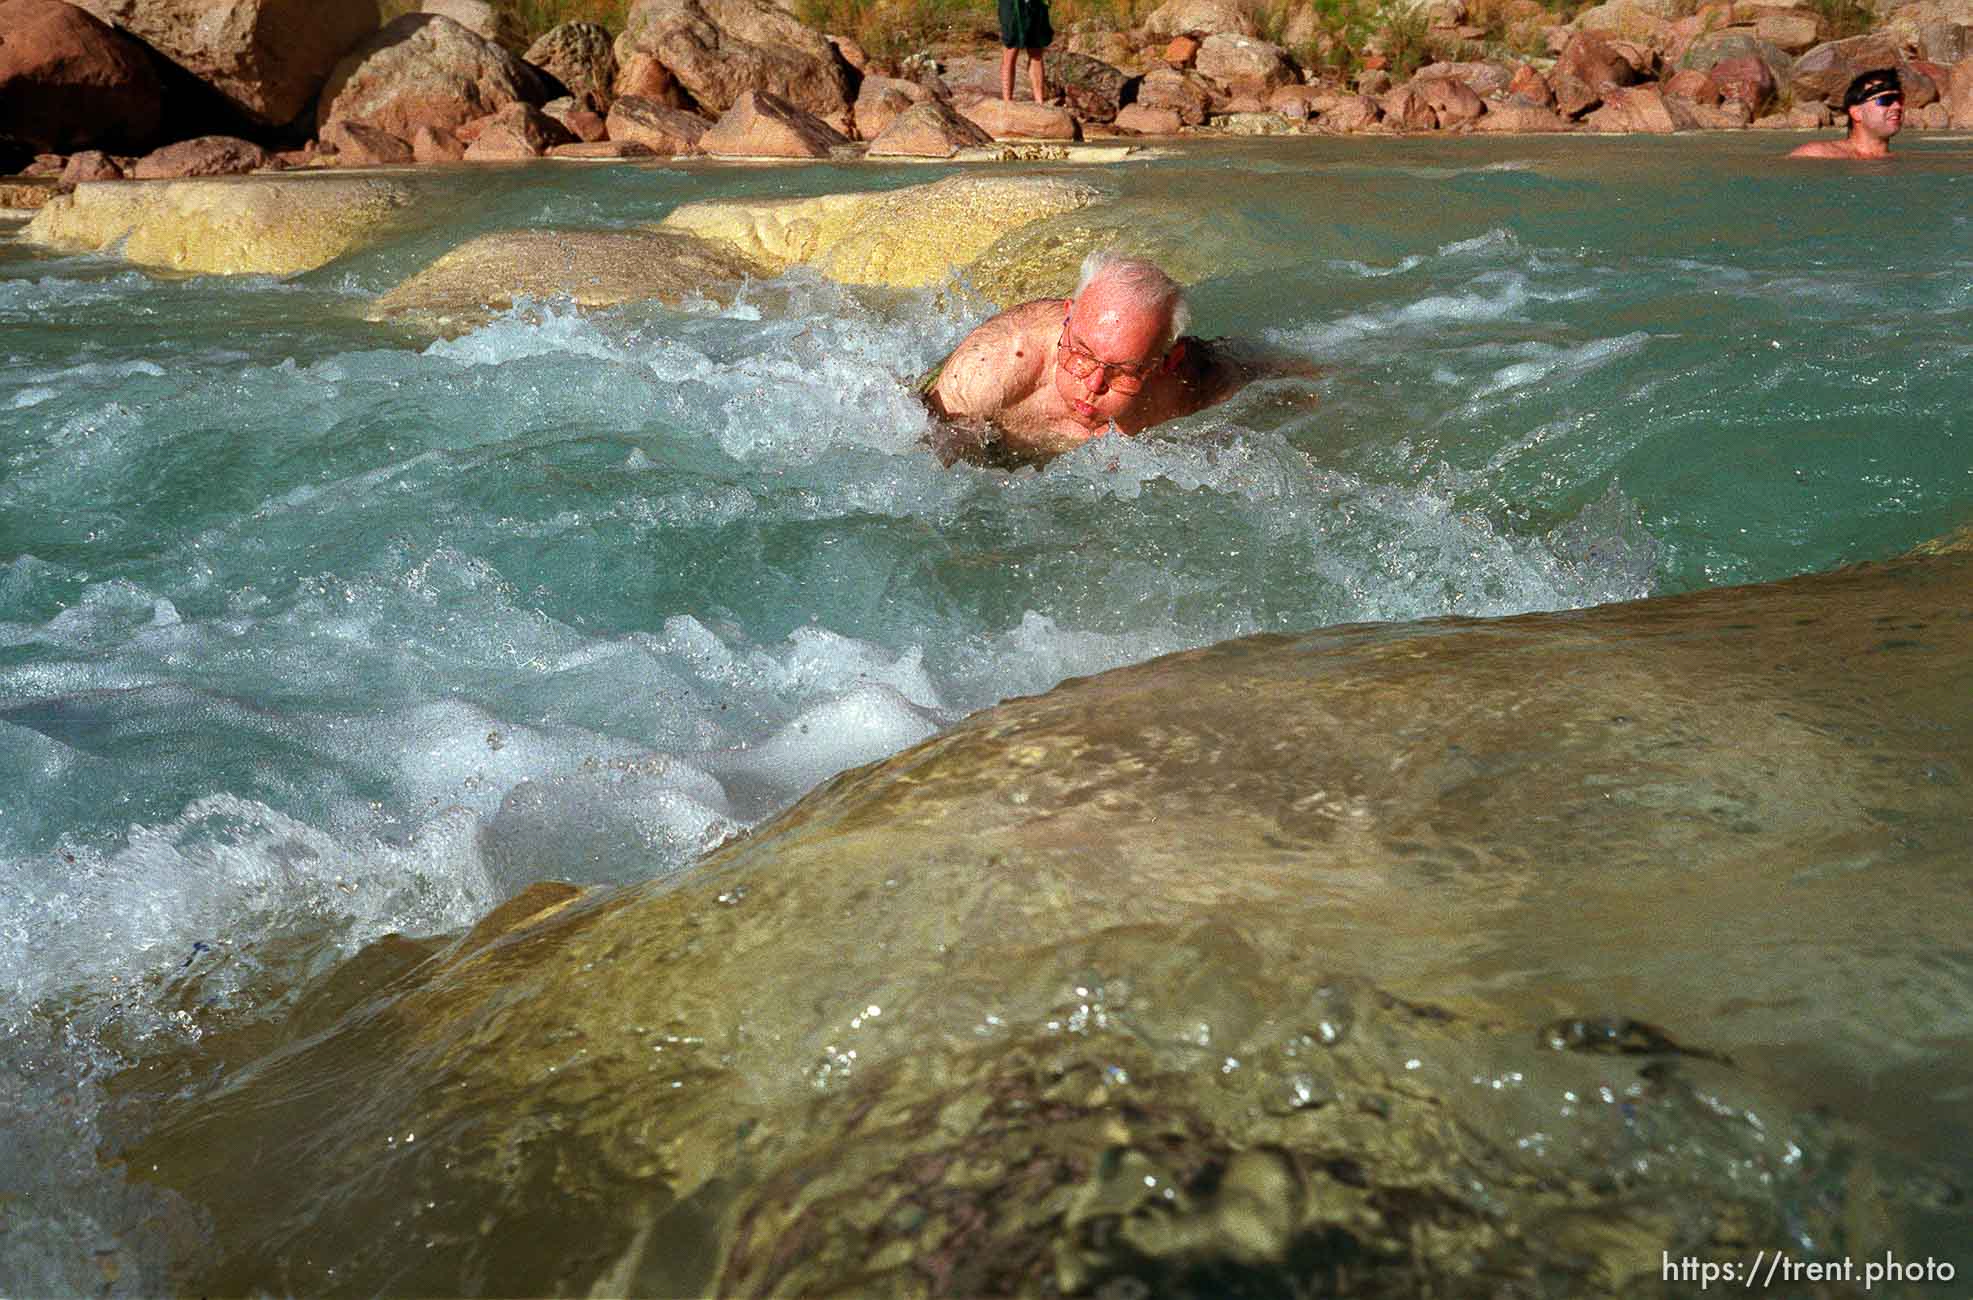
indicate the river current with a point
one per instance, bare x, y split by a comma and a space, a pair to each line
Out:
313, 629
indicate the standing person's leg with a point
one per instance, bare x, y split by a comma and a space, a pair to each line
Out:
1035, 77
1007, 57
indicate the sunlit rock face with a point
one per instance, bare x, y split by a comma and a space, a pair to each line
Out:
1456, 958
226, 225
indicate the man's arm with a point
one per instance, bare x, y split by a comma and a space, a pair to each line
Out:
994, 368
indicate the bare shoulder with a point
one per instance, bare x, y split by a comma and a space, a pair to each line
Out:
1821, 149
1000, 363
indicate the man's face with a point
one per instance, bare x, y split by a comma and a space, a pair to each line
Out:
1881, 115
1110, 349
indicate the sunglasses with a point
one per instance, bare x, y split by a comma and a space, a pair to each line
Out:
1884, 99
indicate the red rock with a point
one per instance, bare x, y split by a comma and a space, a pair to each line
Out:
579, 56
643, 77
68, 80
1826, 71
1178, 92
1728, 115
489, 22
1243, 65
1357, 113
1021, 120
658, 127
433, 145
1530, 86
426, 70
1484, 78
1149, 121
719, 49
208, 155
357, 145
1452, 101
1747, 80
516, 132
1518, 117
1181, 51
1407, 109
880, 100
1693, 85
267, 58
578, 117
761, 124
91, 165
1589, 66
1640, 109
928, 130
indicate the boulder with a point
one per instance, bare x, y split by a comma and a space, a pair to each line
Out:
720, 49
1959, 98
90, 165
1826, 71
1588, 66
1727, 115
1693, 86
1511, 116
68, 80
1303, 101
1244, 65
1530, 87
357, 145
426, 70
207, 155
581, 56
1021, 120
644, 77
879, 101
1747, 80
266, 58
927, 130
579, 118
1148, 121
1175, 92
1453, 102
1407, 109
592, 268
1365, 945
1735, 44
761, 124
431, 144
1088, 87
269, 225
516, 133
1181, 50
601, 151
1488, 80
909, 238
489, 22
20, 194
1354, 114
1203, 18
1640, 109
1792, 33
661, 129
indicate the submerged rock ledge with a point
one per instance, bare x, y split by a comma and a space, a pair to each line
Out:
1463, 957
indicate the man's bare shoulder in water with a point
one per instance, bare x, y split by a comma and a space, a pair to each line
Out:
1046, 376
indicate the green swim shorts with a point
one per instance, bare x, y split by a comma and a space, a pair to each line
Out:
1024, 24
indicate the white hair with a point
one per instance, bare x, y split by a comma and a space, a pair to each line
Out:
1144, 283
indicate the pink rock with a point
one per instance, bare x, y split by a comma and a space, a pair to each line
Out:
267, 58
1728, 115
658, 127
1178, 92
1694, 86
1640, 109
761, 124
578, 117
69, 80
928, 130
1454, 102
1021, 120
644, 77
1149, 121
517, 132
1407, 109
426, 70
879, 101
1243, 65
1181, 51
1357, 113
430, 144
91, 165
208, 155
1517, 117
619, 149
719, 49
1530, 87
1746, 79
357, 145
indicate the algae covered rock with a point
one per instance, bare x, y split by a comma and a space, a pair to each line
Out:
594, 268
1460, 958
226, 225
909, 238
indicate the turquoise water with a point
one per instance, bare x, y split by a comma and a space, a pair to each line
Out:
312, 628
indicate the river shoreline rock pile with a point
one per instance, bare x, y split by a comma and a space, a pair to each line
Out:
144, 89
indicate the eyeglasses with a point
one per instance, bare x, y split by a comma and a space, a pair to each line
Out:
1124, 378
1885, 99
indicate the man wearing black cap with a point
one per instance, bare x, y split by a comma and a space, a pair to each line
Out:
1875, 104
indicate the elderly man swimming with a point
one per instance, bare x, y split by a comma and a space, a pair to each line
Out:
1043, 377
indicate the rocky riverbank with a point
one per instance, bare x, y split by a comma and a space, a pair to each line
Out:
141, 89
